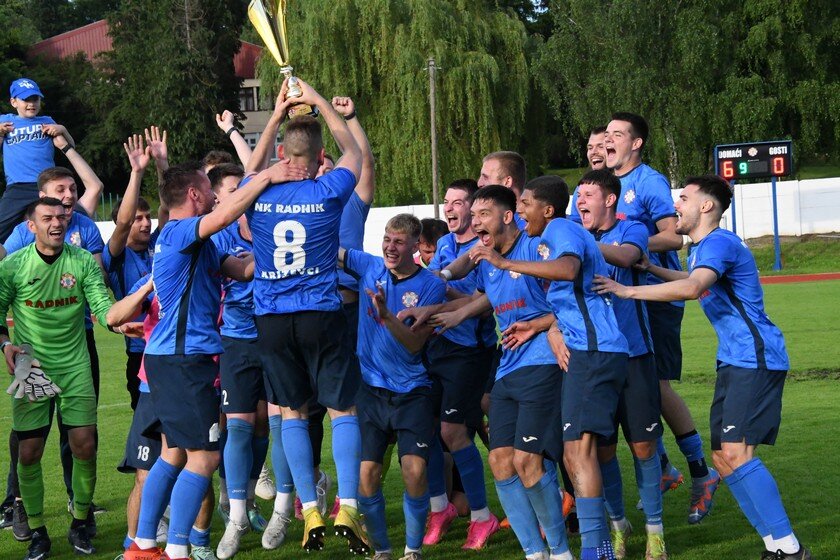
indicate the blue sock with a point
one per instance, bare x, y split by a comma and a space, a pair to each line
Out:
434, 471
296, 444
259, 449
222, 444
415, 511
471, 469
282, 474
187, 495
760, 486
590, 512
692, 447
733, 481
127, 541
156, 492
373, 508
347, 453
520, 514
199, 538
238, 457
613, 488
648, 474
545, 499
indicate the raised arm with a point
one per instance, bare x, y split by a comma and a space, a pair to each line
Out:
138, 158
261, 156
226, 123
93, 186
156, 140
366, 184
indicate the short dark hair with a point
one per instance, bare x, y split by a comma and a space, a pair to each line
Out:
221, 172
512, 165
43, 201
469, 186
404, 223
51, 174
597, 130
638, 125
216, 157
142, 206
303, 137
605, 179
500, 195
713, 186
176, 180
551, 190
432, 230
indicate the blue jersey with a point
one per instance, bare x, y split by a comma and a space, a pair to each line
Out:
26, 150
238, 308
295, 231
586, 318
189, 288
386, 363
735, 304
518, 297
631, 314
124, 271
472, 332
352, 234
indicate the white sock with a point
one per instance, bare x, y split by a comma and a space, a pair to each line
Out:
177, 550
565, 556
619, 524
238, 512
788, 544
252, 487
482, 514
407, 550
306, 505
769, 542
284, 503
439, 503
145, 543
351, 502
223, 496
657, 529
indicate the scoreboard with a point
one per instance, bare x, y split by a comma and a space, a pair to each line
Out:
754, 160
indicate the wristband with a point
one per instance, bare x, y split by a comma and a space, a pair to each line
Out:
351, 116
447, 274
230, 131
66, 148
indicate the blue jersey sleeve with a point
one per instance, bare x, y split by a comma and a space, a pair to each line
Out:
357, 263
636, 234
91, 238
19, 238
656, 198
715, 254
562, 245
340, 182
482, 269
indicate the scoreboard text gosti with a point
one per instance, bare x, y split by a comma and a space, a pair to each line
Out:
754, 160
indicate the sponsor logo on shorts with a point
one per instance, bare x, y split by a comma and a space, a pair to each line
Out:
422, 445
67, 281
214, 433
729, 428
652, 427
529, 439
567, 426
450, 411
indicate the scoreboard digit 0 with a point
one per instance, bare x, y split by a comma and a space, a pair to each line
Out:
754, 160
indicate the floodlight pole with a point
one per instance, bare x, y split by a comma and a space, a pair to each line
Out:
432, 74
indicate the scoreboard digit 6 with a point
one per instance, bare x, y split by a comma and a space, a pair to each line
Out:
754, 160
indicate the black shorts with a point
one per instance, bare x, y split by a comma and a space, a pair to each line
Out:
494, 365
186, 403
525, 411
639, 406
665, 325
460, 376
591, 388
747, 406
141, 451
241, 375
383, 413
307, 353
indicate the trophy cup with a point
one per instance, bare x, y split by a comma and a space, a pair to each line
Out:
270, 22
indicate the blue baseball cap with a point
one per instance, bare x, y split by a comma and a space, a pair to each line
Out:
23, 88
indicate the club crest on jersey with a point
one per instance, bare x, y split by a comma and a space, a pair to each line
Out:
410, 299
543, 251
67, 281
630, 196
76, 239
514, 274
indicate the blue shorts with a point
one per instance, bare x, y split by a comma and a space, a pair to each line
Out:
525, 411
186, 403
591, 389
494, 365
639, 405
141, 451
665, 325
747, 406
16, 198
305, 354
383, 413
460, 376
241, 375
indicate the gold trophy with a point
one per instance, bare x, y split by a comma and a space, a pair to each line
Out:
270, 23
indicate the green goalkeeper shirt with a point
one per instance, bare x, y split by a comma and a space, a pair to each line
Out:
48, 304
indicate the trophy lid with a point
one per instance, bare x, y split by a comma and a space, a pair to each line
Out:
270, 22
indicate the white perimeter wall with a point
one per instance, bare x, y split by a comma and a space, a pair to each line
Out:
804, 207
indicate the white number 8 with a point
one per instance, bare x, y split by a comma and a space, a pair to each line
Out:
285, 247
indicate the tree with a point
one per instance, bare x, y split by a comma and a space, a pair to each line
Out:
376, 51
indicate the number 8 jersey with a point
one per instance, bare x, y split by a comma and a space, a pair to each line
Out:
295, 233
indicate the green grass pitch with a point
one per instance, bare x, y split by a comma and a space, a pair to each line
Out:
804, 460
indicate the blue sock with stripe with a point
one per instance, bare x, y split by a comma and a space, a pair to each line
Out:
547, 503
296, 444
691, 446
347, 453
415, 511
238, 457
613, 488
471, 469
282, 473
156, 492
373, 508
199, 537
520, 514
187, 495
648, 475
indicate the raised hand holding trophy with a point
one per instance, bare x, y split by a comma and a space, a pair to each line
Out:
270, 22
